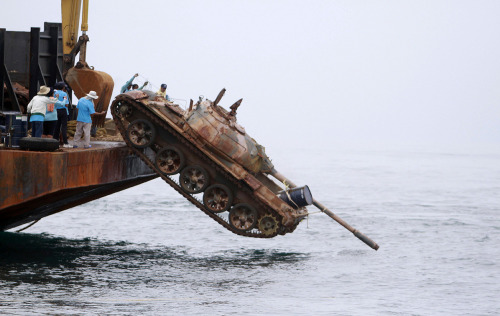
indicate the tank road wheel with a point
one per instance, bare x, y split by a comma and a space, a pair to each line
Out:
243, 217
169, 160
193, 179
218, 198
123, 109
141, 133
268, 225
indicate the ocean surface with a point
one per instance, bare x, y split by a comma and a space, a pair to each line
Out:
147, 251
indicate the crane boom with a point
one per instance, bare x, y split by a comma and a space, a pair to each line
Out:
70, 13
80, 77
85, 16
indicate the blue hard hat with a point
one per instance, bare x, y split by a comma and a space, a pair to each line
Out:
164, 85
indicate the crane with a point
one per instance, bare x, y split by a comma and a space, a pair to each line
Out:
80, 76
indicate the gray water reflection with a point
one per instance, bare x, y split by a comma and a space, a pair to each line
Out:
71, 265
92, 276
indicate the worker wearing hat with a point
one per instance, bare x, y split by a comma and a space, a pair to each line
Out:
163, 91
38, 108
85, 108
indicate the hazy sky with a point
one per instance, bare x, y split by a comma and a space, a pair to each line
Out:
310, 72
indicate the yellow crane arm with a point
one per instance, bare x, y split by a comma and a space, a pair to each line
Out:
72, 44
80, 77
70, 13
85, 16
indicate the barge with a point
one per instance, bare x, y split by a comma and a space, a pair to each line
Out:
35, 184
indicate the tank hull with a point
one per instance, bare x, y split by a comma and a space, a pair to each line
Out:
37, 184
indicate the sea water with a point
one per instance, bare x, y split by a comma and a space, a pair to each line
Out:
147, 251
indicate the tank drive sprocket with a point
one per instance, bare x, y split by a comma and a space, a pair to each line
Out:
268, 224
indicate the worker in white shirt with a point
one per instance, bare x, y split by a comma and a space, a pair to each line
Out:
37, 108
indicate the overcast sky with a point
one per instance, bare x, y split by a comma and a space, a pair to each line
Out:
310, 72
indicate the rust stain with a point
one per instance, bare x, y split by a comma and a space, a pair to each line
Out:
28, 175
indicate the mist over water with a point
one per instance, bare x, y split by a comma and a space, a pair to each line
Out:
148, 251
385, 71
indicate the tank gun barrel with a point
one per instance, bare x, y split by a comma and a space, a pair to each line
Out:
325, 210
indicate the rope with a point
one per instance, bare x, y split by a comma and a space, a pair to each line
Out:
156, 88
149, 82
287, 188
310, 213
20, 230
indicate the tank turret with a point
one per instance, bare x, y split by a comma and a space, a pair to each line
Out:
221, 131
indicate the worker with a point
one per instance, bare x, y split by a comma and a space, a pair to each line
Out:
50, 119
128, 86
163, 92
60, 93
84, 121
37, 108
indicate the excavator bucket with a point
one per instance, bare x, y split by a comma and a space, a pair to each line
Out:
83, 80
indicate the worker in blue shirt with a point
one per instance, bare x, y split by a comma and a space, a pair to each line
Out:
128, 86
85, 108
62, 113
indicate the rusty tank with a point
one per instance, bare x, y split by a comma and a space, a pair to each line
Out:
206, 156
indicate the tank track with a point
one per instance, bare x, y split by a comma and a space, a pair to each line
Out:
141, 153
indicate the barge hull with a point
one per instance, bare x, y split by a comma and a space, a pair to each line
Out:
37, 184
